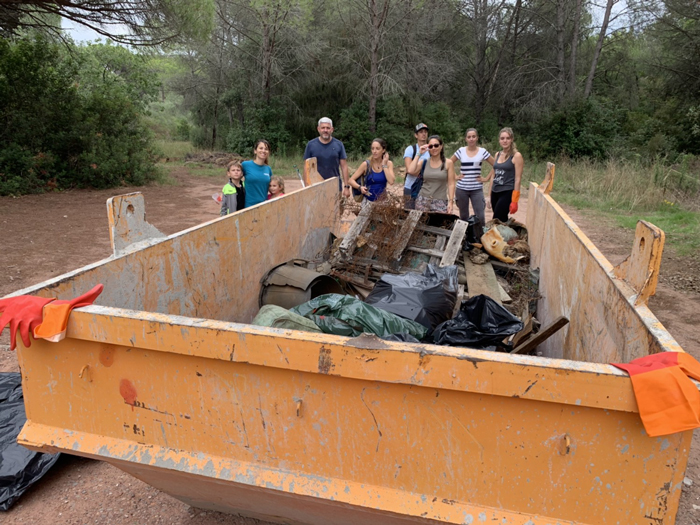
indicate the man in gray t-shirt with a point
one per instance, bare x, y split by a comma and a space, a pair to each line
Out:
331, 159
421, 134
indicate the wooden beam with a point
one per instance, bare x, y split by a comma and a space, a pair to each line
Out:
407, 228
454, 245
481, 279
350, 241
440, 243
541, 336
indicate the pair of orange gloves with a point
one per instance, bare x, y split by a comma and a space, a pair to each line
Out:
43, 318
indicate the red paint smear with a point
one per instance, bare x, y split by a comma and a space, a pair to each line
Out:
107, 356
128, 391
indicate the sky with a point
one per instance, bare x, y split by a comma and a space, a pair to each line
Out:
81, 33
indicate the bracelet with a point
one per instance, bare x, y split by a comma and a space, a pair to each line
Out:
385, 165
347, 185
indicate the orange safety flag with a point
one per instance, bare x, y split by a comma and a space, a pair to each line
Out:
56, 313
668, 400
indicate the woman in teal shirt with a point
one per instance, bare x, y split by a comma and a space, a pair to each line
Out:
257, 174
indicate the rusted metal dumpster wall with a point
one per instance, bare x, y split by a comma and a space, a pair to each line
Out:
323, 429
211, 270
314, 428
608, 325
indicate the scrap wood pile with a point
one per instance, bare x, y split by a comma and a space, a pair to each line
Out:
414, 276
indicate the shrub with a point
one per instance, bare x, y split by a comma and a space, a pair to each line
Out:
72, 117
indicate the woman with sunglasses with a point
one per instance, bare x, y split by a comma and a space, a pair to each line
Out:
438, 191
507, 172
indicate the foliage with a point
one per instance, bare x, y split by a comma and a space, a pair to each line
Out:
72, 117
581, 129
262, 120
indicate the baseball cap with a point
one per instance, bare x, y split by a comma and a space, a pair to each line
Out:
420, 127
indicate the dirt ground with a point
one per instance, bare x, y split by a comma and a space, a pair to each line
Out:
43, 236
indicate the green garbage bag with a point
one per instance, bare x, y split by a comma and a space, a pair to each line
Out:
332, 325
360, 316
278, 317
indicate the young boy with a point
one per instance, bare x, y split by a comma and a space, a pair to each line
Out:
233, 198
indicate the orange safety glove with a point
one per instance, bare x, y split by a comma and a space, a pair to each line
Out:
55, 322
668, 400
514, 202
23, 313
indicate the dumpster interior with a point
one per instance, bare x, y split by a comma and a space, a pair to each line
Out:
568, 297
415, 277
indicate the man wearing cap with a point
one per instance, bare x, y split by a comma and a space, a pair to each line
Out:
330, 155
421, 134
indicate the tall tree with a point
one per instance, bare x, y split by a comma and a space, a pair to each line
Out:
134, 22
598, 47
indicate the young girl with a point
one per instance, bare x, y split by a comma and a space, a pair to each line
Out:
438, 191
378, 171
276, 188
470, 183
257, 174
507, 172
233, 198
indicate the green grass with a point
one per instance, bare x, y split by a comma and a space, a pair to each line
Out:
174, 149
629, 192
682, 227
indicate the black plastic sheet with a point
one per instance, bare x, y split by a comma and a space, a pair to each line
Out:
428, 298
20, 467
480, 323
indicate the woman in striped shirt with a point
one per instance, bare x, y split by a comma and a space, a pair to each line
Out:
470, 183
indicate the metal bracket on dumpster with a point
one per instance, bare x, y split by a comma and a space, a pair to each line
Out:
128, 229
311, 174
641, 269
548, 181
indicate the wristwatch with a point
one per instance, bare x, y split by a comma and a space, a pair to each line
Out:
347, 185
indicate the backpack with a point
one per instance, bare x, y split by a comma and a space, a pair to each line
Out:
418, 183
357, 194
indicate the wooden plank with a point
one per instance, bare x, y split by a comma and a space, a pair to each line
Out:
350, 241
498, 265
427, 251
407, 228
440, 243
540, 337
505, 298
481, 279
523, 334
434, 229
454, 245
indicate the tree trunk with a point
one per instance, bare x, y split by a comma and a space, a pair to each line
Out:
377, 21
574, 48
598, 48
561, 73
266, 62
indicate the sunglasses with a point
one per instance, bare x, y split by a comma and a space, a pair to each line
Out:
431, 146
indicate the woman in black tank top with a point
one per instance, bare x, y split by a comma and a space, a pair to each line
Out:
506, 173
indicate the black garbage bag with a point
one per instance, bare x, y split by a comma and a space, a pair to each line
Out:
474, 230
428, 298
481, 322
20, 467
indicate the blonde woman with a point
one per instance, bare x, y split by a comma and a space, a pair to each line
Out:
507, 172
